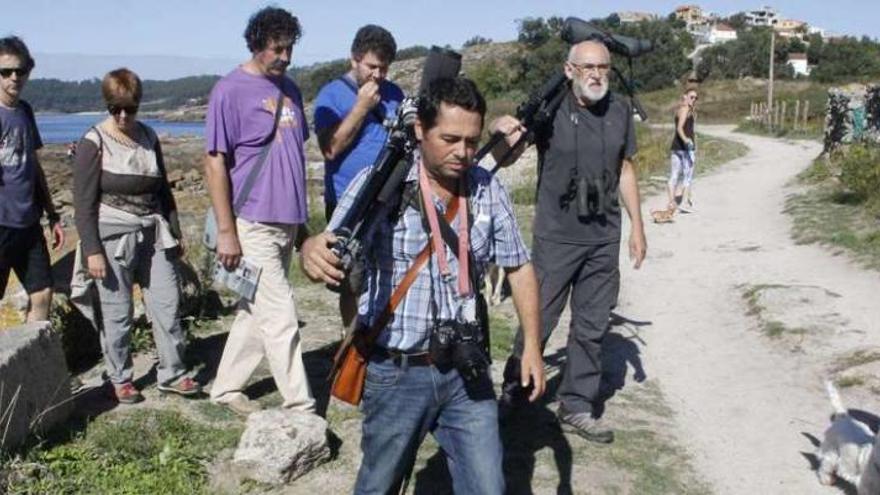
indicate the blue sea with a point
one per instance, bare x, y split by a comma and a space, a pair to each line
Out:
67, 127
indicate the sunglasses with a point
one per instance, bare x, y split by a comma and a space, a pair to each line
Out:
18, 71
117, 109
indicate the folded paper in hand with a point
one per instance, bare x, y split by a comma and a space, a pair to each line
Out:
243, 280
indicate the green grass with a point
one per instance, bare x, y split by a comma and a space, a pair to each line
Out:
813, 131
143, 451
503, 330
729, 101
652, 160
857, 358
751, 294
850, 381
827, 215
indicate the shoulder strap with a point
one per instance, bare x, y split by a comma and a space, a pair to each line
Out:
450, 237
375, 111
264, 153
405, 284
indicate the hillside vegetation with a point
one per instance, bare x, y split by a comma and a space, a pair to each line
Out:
508, 71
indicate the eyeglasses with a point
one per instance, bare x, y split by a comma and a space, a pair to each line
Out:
117, 109
588, 68
18, 71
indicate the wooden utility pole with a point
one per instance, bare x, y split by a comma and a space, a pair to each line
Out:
770, 79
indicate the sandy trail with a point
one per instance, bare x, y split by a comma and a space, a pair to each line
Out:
742, 399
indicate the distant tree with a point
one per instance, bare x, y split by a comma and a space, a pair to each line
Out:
736, 21
545, 52
411, 52
746, 56
310, 80
54, 95
795, 45
848, 58
667, 63
814, 50
476, 40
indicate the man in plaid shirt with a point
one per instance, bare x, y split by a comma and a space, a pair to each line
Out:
405, 395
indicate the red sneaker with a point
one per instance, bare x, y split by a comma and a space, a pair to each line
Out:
185, 386
126, 393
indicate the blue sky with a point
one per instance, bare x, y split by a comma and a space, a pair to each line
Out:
213, 28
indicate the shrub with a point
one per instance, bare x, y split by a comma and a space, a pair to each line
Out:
860, 173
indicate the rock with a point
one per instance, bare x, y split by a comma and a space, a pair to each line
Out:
193, 175
175, 176
34, 383
280, 445
63, 198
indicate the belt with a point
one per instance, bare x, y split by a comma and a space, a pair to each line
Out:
380, 354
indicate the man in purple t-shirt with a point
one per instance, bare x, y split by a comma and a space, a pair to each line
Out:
240, 122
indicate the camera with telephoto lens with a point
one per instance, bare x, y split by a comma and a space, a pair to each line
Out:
459, 345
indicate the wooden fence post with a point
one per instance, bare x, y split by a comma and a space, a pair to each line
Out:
806, 112
797, 114
782, 121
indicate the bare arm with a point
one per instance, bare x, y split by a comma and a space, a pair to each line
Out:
524, 286
217, 179
336, 139
45, 199
629, 191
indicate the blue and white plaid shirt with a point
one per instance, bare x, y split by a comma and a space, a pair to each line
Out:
390, 249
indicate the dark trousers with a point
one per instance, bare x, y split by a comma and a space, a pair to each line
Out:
590, 276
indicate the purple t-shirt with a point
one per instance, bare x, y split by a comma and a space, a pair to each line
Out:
19, 142
241, 112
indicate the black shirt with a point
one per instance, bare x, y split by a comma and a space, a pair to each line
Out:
677, 143
583, 143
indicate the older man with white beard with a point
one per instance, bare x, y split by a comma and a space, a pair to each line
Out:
584, 162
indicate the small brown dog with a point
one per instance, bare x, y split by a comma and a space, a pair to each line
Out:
664, 216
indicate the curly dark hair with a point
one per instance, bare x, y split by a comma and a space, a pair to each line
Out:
457, 91
271, 24
13, 45
376, 39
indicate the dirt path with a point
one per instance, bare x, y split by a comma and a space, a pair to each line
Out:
743, 398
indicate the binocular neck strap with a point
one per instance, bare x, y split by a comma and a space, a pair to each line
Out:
460, 197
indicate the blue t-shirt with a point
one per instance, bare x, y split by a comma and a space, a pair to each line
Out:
19, 142
334, 102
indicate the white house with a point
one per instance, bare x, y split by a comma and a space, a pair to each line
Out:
720, 33
798, 62
765, 16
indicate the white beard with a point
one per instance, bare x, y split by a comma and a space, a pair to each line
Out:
583, 91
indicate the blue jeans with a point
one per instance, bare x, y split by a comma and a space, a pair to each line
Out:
402, 403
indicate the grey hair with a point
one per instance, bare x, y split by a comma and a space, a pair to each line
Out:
573, 49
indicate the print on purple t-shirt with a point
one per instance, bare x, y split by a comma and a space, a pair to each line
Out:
19, 142
241, 112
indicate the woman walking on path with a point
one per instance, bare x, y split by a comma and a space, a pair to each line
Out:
683, 149
127, 222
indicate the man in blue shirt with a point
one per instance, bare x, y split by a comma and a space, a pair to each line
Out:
408, 390
24, 195
349, 116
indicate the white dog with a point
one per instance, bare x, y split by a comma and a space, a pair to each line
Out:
845, 450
